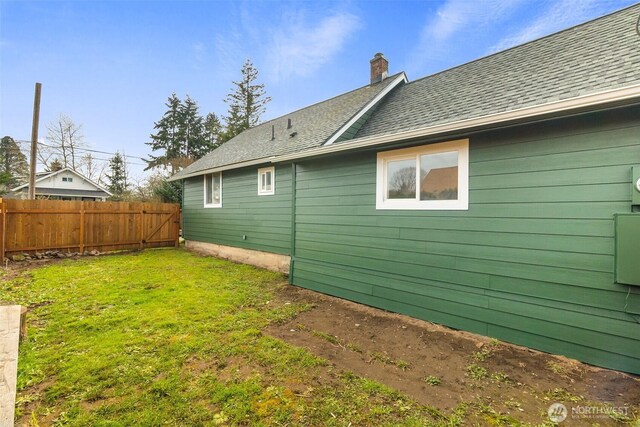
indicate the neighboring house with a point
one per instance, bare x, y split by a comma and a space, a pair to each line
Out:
534, 241
65, 184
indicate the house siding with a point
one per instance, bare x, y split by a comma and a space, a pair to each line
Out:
264, 220
530, 262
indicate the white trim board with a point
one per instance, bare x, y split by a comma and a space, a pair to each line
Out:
401, 78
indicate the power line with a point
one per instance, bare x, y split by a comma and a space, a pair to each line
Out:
22, 141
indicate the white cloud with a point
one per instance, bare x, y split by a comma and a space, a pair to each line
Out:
555, 16
453, 19
229, 55
199, 52
297, 48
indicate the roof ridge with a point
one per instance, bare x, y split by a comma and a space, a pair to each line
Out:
386, 80
501, 52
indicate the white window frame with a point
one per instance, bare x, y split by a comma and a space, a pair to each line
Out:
261, 173
204, 192
462, 203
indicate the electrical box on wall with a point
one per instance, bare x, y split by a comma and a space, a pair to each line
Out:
627, 231
635, 189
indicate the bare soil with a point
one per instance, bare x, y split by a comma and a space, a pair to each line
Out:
442, 367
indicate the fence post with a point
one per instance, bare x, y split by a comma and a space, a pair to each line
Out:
141, 226
2, 230
82, 227
177, 225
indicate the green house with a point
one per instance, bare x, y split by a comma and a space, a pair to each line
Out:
500, 197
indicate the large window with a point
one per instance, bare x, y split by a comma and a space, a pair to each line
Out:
266, 181
213, 190
434, 176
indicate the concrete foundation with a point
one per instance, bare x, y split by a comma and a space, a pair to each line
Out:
267, 260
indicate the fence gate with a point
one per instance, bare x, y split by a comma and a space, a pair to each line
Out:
42, 225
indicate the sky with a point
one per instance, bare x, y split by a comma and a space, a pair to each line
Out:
111, 65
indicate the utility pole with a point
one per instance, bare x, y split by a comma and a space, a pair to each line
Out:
34, 142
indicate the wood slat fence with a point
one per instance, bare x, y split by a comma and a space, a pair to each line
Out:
42, 225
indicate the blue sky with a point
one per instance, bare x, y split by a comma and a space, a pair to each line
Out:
110, 65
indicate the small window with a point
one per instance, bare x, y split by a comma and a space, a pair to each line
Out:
430, 177
266, 181
67, 179
213, 190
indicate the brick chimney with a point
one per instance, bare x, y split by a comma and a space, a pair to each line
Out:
379, 68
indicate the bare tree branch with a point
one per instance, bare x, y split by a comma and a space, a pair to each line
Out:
64, 137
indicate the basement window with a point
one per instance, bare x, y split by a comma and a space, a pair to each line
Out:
266, 181
429, 177
213, 190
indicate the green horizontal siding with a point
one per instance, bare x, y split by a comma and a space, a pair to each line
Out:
530, 262
264, 220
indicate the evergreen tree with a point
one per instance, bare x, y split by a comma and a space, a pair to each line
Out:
167, 138
13, 164
246, 102
192, 131
168, 192
181, 136
118, 176
212, 130
55, 165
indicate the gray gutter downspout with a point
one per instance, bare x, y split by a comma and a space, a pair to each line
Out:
292, 250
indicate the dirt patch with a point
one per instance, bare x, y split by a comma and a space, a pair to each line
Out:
228, 370
443, 368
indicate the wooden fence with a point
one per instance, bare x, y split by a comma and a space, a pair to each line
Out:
76, 226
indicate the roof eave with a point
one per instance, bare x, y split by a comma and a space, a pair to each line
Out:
580, 103
178, 177
584, 102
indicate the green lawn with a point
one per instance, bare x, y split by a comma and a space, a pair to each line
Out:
165, 337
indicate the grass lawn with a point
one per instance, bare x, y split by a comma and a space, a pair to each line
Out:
165, 337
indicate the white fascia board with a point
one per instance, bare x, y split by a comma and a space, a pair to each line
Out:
401, 78
222, 168
67, 169
592, 100
42, 178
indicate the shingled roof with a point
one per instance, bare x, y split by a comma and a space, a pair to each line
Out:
310, 127
581, 62
596, 56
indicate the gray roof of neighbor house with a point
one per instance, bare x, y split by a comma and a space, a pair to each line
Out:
599, 55
311, 127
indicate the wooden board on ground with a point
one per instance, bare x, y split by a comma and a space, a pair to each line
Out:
10, 327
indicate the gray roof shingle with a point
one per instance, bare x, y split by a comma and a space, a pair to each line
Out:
596, 56
313, 126
592, 57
